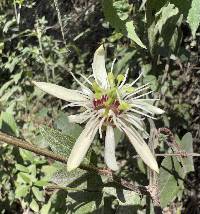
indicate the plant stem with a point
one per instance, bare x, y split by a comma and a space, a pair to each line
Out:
184, 155
142, 190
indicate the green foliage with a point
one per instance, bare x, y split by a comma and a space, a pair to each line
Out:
123, 26
58, 142
173, 171
32, 48
8, 124
194, 17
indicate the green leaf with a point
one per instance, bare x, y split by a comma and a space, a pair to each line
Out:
170, 180
34, 206
88, 202
24, 178
62, 123
127, 28
164, 14
21, 191
45, 208
41, 183
187, 146
21, 168
129, 201
123, 62
60, 144
26, 155
8, 124
194, 16
152, 80
183, 6
64, 178
173, 172
163, 29
38, 194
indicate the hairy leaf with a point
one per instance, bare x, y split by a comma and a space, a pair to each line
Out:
59, 143
194, 16
173, 172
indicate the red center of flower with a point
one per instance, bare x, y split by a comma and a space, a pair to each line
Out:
101, 103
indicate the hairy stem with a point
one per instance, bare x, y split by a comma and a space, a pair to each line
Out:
142, 190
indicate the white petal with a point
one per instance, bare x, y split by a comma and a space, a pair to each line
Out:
82, 145
99, 69
141, 113
141, 147
109, 156
125, 78
85, 89
80, 118
61, 92
148, 107
136, 121
136, 79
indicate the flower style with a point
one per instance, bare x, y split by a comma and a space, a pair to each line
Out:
109, 102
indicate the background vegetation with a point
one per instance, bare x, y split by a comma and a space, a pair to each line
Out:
45, 41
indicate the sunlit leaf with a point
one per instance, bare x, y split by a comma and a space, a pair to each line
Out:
173, 172
59, 143
127, 28
194, 16
8, 124
34, 206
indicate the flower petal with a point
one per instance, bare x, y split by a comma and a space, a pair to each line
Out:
61, 92
141, 147
148, 107
82, 145
109, 155
80, 118
99, 69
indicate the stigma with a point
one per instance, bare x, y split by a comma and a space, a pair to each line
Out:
106, 103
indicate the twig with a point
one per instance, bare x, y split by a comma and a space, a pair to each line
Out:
142, 190
185, 155
39, 37
59, 19
153, 176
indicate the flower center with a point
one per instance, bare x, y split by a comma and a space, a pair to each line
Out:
107, 103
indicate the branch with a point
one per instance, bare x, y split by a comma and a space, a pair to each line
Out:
180, 154
153, 176
142, 190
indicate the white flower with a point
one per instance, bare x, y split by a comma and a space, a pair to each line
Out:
108, 102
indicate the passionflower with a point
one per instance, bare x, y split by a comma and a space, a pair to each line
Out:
108, 102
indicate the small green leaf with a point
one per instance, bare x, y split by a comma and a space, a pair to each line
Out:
60, 144
62, 123
64, 178
40, 183
24, 178
38, 194
21, 191
34, 206
187, 146
131, 34
194, 16
26, 155
45, 208
8, 124
21, 168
